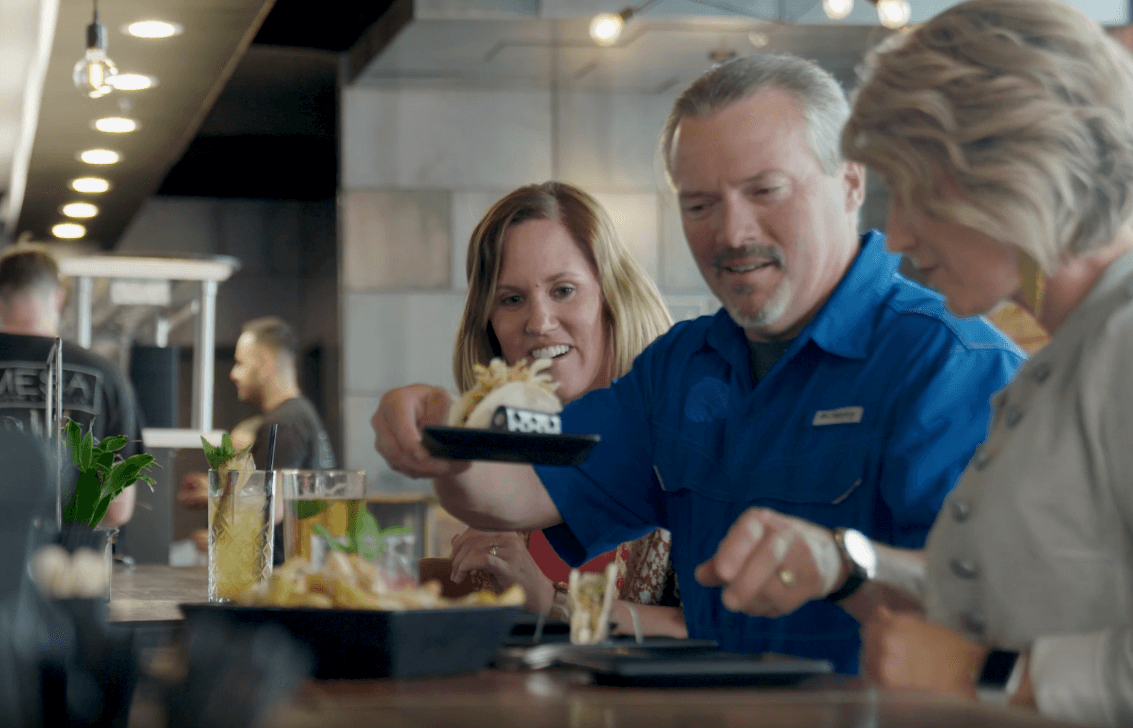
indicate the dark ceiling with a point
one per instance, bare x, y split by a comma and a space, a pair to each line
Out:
273, 132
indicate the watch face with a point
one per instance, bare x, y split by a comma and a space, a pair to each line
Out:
860, 551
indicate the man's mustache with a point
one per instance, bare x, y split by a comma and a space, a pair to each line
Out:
747, 252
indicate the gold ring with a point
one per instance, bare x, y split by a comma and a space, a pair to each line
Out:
493, 549
786, 576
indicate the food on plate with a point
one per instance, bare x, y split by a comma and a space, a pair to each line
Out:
347, 581
591, 597
522, 386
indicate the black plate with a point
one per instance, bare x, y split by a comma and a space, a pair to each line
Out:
466, 443
361, 643
627, 666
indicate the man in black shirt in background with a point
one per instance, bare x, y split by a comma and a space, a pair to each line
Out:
96, 394
266, 376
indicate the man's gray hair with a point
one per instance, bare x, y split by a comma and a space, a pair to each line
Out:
821, 97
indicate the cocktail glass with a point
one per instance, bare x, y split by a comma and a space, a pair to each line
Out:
241, 521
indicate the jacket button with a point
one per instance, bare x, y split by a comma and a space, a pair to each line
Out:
982, 458
961, 509
1014, 416
973, 624
964, 568
1041, 372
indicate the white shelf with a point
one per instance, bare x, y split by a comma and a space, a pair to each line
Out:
178, 438
213, 268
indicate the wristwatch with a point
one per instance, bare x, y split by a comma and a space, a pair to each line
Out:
1001, 676
857, 551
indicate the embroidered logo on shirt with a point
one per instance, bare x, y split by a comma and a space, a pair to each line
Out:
840, 416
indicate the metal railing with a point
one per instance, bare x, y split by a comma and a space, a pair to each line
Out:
53, 420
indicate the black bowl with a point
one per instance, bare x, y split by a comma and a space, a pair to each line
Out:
359, 643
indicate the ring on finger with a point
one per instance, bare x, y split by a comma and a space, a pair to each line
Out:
786, 576
493, 549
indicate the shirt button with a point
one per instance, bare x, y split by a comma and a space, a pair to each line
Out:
1041, 372
964, 568
961, 509
1014, 416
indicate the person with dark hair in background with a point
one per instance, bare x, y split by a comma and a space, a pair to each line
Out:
96, 393
266, 375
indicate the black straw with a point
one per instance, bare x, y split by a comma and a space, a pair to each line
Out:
271, 446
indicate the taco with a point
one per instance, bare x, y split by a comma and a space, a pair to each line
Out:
522, 386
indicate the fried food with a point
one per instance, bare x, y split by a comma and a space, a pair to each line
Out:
591, 598
521, 386
348, 581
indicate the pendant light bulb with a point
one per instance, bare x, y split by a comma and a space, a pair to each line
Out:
837, 9
893, 14
606, 28
94, 70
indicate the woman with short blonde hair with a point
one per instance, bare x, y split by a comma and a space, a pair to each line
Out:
1030, 121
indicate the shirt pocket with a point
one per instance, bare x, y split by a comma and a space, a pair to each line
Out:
832, 485
824, 468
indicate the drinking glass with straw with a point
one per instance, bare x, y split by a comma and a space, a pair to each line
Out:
241, 524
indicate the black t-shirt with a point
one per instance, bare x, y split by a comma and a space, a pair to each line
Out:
301, 440
96, 393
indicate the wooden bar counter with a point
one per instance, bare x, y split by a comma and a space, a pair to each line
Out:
148, 595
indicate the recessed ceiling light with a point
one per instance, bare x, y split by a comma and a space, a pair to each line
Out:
80, 209
132, 81
100, 156
90, 184
116, 125
68, 230
153, 29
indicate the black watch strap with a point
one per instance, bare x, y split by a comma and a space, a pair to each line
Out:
858, 573
852, 583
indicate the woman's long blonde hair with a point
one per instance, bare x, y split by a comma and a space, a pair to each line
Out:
632, 307
1025, 105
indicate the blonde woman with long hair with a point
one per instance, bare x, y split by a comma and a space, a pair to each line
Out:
549, 278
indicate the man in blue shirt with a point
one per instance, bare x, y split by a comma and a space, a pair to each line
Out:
829, 388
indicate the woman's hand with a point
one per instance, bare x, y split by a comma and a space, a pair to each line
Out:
401, 415
771, 564
509, 561
906, 652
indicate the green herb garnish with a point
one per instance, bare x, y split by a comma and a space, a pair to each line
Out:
364, 537
223, 459
102, 474
218, 456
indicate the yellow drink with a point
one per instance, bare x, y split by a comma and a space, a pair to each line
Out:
309, 521
240, 535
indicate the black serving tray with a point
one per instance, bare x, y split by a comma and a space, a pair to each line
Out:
466, 443
628, 666
359, 643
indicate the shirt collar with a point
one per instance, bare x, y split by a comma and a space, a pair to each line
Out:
844, 325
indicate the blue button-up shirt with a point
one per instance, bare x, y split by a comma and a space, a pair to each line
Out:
866, 421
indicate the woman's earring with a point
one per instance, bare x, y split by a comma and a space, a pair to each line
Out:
1033, 282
